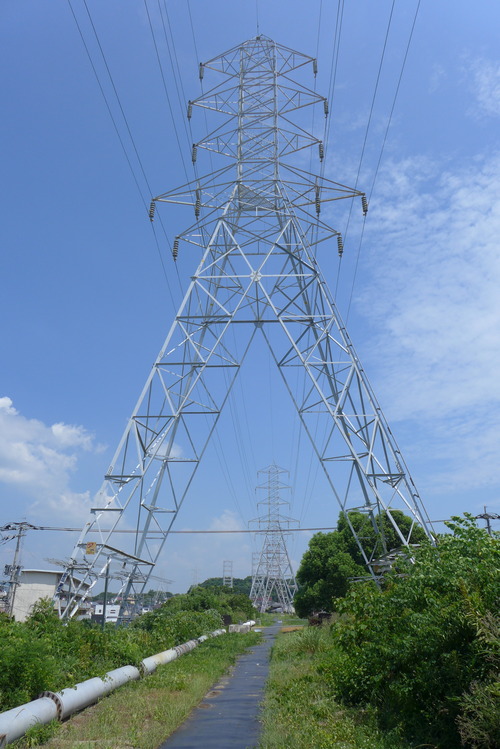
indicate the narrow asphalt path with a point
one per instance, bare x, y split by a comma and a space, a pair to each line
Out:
228, 717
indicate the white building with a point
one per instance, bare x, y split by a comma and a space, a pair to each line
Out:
32, 587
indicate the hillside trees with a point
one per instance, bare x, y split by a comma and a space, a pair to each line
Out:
240, 584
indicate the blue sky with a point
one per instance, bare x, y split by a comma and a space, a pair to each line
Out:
85, 304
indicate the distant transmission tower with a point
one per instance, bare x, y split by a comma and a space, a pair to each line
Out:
273, 579
257, 225
227, 573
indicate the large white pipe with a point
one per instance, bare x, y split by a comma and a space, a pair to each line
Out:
217, 632
14, 723
50, 705
73, 699
242, 628
150, 664
186, 647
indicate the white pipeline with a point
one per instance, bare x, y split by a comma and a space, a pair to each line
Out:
51, 705
14, 723
242, 628
73, 699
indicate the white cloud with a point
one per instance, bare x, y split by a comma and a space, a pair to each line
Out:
438, 76
486, 85
72, 436
188, 557
435, 307
39, 460
228, 521
174, 451
74, 507
6, 405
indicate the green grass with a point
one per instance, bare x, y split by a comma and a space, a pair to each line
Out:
299, 709
142, 714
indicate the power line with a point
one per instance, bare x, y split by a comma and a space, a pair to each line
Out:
395, 97
363, 153
333, 75
175, 68
125, 119
166, 91
101, 88
117, 131
370, 192
492, 516
157, 532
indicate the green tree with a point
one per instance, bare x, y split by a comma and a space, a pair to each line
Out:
333, 559
324, 573
378, 534
425, 650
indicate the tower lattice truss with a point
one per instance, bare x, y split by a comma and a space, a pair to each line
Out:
273, 580
257, 225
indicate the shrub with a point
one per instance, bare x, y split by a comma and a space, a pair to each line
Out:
27, 665
414, 649
220, 600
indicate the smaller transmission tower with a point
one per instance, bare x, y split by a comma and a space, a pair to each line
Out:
227, 573
272, 577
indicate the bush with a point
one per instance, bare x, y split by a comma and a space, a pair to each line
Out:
479, 718
334, 559
27, 664
415, 649
167, 629
220, 600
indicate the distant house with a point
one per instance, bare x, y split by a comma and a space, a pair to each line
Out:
33, 586
112, 613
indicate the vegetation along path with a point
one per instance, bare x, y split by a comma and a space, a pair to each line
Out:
228, 717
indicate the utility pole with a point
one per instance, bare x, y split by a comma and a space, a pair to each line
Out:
257, 224
105, 598
14, 570
273, 578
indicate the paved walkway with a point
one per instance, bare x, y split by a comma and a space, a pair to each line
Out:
228, 717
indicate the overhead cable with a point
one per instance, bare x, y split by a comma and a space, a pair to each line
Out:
117, 131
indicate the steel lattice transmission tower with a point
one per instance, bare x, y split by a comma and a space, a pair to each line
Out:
273, 578
256, 226
227, 573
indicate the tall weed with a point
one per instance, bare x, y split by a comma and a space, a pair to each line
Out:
309, 640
